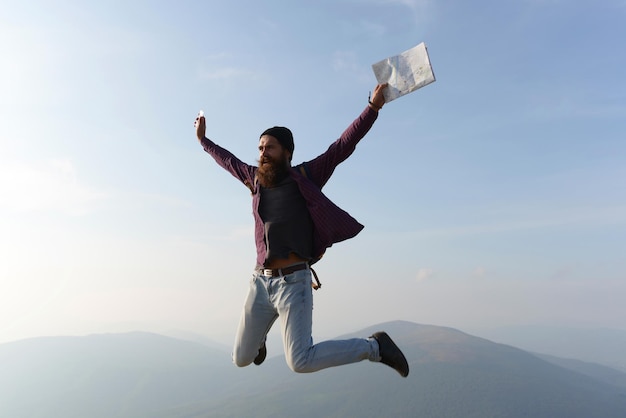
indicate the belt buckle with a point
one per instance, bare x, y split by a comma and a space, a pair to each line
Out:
268, 272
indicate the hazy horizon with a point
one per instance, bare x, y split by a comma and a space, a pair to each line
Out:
492, 197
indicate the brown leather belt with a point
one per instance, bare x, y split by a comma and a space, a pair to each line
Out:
283, 271
292, 269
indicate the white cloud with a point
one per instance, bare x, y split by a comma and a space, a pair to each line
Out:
479, 272
583, 216
411, 4
424, 274
418, 8
348, 62
51, 185
345, 61
373, 28
220, 66
226, 73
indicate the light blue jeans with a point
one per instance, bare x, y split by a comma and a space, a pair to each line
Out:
290, 298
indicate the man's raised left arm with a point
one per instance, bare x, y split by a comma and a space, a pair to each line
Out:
322, 167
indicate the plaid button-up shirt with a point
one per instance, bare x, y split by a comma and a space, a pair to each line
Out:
331, 224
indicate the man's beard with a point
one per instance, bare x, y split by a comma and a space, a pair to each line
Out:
272, 171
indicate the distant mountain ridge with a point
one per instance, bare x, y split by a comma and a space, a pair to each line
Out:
593, 345
121, 375
453, 374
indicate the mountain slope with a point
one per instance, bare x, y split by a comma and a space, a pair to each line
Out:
145, 375
596, 345
452, 375
596, 371
105, 375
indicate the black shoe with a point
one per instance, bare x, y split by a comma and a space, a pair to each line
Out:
260, 358
390, 354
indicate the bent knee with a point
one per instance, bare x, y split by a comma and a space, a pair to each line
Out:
240, 361
300, 366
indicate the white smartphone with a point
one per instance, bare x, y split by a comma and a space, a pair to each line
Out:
200, 115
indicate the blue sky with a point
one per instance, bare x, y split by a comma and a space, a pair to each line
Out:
495, 196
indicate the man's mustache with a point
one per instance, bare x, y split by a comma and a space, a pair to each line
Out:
267, 160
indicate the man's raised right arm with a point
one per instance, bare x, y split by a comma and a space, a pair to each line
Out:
224, 158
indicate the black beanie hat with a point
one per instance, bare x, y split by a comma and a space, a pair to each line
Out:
283, 135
